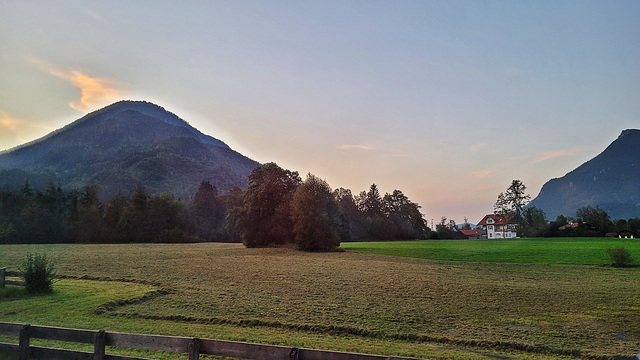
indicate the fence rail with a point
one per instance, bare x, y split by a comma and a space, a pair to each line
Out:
4, 281
194, 347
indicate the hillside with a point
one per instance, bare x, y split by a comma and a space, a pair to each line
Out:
611, 181
123, 144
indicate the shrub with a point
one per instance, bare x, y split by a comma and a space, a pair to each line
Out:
619, 257
38, 273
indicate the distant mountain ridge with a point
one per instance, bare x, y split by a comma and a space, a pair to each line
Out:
610, 180
123, 144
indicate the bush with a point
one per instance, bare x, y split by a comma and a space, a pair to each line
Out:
38, 273
619, 257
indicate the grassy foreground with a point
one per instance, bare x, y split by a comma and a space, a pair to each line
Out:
340, 301
583, 251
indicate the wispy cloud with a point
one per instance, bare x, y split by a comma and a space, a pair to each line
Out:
94, 91
358, 147
482, 173
8, 123
94, 15
548, 155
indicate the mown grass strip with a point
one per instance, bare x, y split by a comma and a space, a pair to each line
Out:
74, 304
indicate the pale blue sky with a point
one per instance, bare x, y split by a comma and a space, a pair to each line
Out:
447, 101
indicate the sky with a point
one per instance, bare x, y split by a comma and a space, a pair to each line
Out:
447, 101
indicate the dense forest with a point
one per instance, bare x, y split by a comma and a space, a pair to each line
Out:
277, 208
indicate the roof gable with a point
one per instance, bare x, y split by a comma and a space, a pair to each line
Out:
497, 220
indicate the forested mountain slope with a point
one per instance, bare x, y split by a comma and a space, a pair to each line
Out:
610, 181
123, 144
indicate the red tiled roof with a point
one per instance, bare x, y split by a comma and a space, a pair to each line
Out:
568, 226
497, 220
470, 232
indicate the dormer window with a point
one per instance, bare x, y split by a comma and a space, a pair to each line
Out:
489, 221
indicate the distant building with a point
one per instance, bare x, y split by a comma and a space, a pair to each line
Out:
494, 226
627, 234
470, 234
570, 225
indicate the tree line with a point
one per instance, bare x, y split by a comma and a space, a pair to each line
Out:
277, 208
531, 221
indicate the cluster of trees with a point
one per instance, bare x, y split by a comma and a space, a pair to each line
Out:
277, 208
532, 222
55, 216
588, 222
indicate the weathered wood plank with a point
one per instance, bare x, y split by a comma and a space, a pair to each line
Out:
9, 349
3, 271
11, 329
62, 354
243, 350
58, 354
63, 334
99, 346
24, 353
148, 342
118, 357
192, 346
258, 351
311, 354
14, 282
194, 349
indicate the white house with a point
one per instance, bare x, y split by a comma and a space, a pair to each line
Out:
494, 226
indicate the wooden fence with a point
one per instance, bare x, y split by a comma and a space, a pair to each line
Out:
4, 281
192, 346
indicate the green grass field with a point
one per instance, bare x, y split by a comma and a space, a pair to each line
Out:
341, 301
583, 251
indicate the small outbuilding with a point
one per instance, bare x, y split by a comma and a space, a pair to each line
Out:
470, 234
625, 234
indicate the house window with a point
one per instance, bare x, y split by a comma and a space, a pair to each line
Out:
489, 221
490, 227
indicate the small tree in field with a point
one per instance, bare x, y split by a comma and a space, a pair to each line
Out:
38, 273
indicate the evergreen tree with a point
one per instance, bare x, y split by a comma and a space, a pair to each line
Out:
207, 212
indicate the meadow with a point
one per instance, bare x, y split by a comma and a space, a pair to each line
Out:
348, 301
583, 251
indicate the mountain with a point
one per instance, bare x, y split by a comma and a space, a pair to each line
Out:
123, 144
611, 181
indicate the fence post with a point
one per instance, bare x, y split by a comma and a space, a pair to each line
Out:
99, 345
194, 349
23, 347
2, 276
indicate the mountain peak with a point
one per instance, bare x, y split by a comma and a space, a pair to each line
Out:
610, 180
126, 143
152, 110
629, 132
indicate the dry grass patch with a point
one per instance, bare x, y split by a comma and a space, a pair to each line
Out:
571, 308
